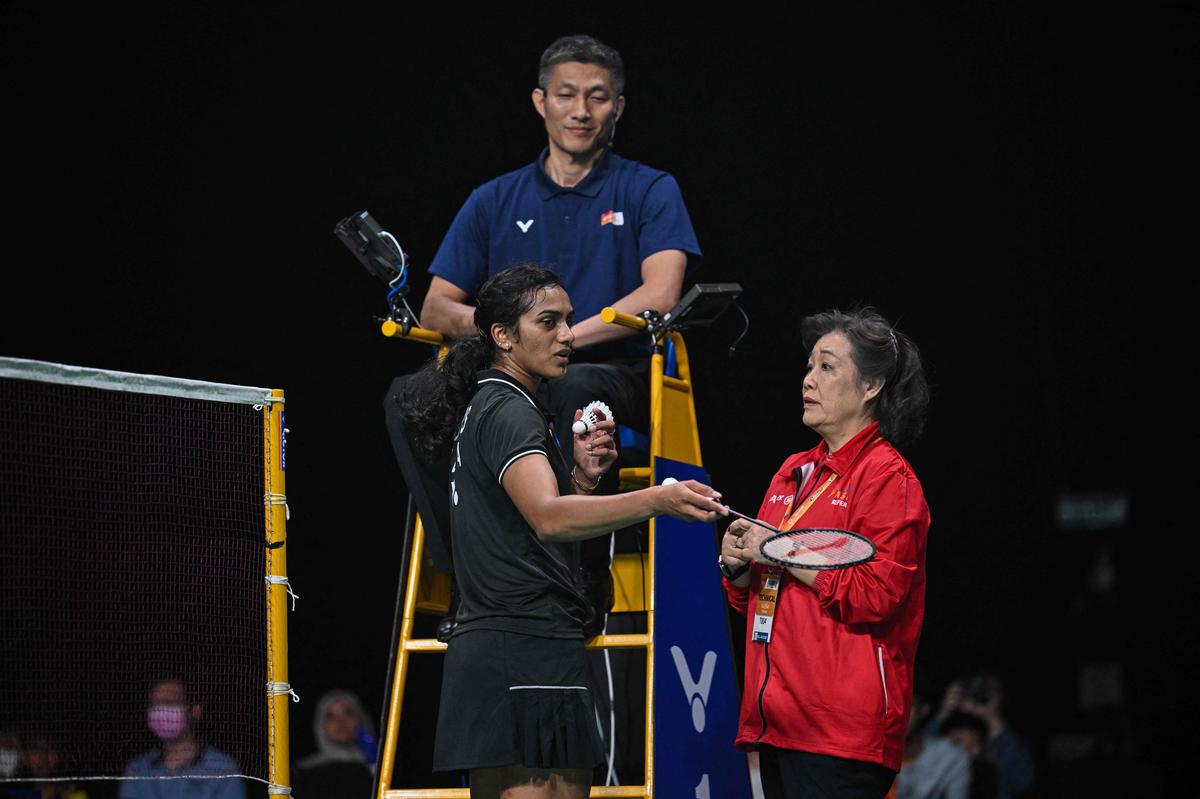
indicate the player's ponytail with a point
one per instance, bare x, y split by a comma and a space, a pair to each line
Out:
435, 398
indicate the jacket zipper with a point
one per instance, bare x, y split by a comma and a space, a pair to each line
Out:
762, 714
762, 690
882, 678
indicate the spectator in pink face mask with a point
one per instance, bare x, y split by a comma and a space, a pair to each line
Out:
170, 715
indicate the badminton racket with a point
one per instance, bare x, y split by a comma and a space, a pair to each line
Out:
819, 548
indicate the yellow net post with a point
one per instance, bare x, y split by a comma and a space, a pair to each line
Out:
275, 505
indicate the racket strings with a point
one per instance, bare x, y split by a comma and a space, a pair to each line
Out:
818, 548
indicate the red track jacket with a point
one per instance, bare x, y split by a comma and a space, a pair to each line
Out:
836, 677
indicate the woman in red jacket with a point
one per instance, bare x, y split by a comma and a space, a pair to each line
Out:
829, 654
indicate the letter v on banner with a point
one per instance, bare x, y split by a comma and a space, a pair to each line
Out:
695, 688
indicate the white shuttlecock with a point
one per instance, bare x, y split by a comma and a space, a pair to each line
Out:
670, 481
590, 417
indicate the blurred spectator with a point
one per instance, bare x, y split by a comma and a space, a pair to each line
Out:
932, 768
10, 753
171, 716
982, 698
38, 765
969, 734
346, 748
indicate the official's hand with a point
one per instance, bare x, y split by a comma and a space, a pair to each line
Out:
747, 541
731, 548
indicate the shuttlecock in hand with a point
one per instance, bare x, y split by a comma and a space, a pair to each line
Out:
594, 412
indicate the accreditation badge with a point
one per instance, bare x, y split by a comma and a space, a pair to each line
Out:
764, 607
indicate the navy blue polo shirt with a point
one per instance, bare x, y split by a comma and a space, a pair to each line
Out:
594, 235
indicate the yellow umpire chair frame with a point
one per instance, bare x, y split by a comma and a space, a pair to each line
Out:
673, 434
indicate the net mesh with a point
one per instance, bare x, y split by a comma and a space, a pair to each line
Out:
131, 551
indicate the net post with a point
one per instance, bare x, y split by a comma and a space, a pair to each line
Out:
275, 507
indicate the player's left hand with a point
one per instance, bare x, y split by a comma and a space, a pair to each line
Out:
595, 450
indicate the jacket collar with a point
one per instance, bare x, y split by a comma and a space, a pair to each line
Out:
841, 461
588, 187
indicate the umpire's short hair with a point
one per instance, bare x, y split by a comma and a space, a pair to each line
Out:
584, 50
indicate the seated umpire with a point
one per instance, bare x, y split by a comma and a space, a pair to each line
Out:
615, 231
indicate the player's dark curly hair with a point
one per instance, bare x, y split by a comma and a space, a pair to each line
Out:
880, 352
434, 399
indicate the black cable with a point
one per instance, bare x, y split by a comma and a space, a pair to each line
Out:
745, 330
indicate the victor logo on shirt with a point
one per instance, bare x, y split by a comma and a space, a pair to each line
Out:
612, 218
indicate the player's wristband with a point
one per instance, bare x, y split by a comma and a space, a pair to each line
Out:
731, 574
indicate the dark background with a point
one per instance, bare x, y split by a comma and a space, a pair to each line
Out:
1012, 186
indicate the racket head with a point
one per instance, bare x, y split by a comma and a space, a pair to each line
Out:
819, 548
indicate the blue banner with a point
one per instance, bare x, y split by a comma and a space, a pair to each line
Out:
695, 684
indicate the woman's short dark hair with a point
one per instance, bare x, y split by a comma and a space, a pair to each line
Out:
583, 50
880, 352
435, 398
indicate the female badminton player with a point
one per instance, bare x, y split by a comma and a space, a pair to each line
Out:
829, 654
516, 708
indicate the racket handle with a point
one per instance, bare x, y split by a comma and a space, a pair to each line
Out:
669, 481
